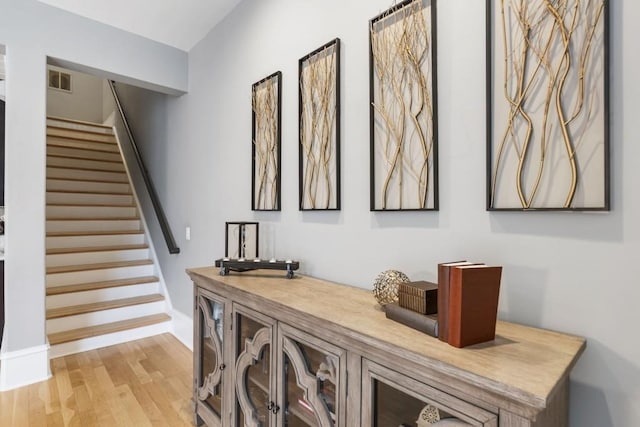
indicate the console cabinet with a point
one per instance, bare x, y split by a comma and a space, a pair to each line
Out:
274, 352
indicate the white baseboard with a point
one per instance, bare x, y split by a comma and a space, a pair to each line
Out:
24, 367
183, 328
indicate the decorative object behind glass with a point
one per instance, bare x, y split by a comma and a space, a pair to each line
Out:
403, 108
319, 108
266, 100
548, 105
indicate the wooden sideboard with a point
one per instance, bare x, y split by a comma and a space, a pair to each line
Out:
269, 351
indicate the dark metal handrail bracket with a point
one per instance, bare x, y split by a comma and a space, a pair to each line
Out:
162, 219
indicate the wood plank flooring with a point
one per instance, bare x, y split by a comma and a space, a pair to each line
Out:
140, 383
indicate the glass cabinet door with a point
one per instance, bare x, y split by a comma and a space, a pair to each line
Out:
254, 375
310, 371
395, 400
209, 365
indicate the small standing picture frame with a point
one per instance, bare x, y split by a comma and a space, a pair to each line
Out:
266, 100
319, 128
241, 240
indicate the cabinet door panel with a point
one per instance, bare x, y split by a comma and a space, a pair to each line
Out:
209, 366
391, 399
254, 372
311, 372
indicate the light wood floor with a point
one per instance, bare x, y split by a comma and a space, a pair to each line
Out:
140, 383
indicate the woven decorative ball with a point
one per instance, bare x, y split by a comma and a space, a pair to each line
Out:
385, 287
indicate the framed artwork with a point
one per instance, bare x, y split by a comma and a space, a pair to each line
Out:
319, 121
548, 105
403, 108
266, 99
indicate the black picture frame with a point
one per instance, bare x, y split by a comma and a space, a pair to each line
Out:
534, 191
427, 193
266, 134
323, 64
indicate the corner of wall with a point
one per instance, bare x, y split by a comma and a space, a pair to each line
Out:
24, 367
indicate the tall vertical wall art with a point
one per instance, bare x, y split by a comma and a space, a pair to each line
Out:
403, 108
548, 105
266, 98
319, 107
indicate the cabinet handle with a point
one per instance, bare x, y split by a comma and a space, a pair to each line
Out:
222, 367
270, 406
275, 409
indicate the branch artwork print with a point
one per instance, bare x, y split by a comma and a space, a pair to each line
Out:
319, 133
266, 143
548, 150
403, 108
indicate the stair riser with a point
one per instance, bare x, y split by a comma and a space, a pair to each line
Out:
83, 154
76, 277
98, 295
89, 199
58, 260
104, 316
61, 184
80, 126
87, 344
53, 161
78, 134
101, 225
53, 172
53, 141
108, 240
90, 212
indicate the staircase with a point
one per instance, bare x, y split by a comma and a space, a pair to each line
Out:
102, 283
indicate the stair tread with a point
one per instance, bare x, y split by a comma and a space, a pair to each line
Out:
84, 169
92, 331
108, 218
57, 251
65, 144
92, 233
102, 181
92, 192
84, 134
91, 205
97, 266
79, 157
92, 286
73, 310
79, 122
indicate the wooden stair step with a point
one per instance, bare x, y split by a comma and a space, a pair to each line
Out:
78, 122
94, 218
92, 233
81, 145
92, 192
99, 266
84, 287
107, 328
73, 310
93, 205
57, 251
78, 157
102, 181
78, 168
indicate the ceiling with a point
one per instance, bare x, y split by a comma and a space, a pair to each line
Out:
177, 23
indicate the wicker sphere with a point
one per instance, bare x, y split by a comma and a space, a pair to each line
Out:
385, 287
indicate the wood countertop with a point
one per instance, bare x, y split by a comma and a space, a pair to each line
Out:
525, 363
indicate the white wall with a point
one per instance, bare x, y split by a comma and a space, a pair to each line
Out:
32, 32
572, 272
84, 102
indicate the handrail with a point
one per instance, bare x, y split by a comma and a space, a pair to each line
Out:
162, 219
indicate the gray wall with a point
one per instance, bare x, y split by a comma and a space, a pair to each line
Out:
84, 102
31, 32
573, 272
